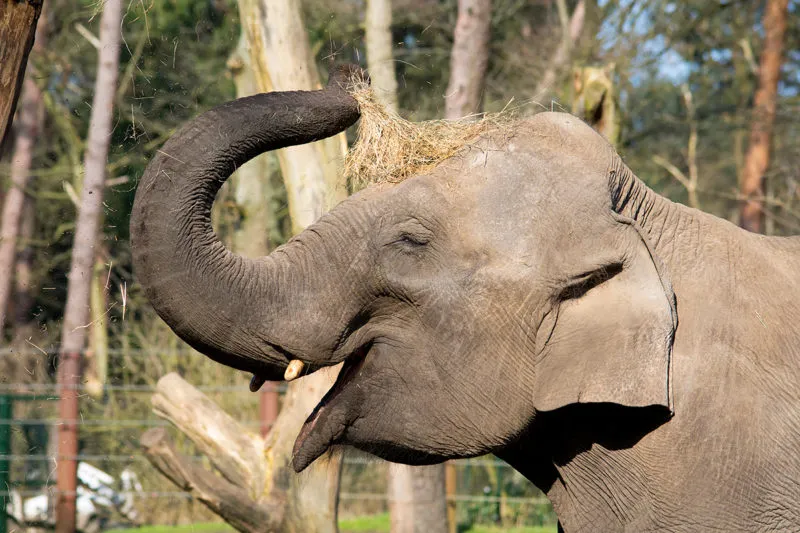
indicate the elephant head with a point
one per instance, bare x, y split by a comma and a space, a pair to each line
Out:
463, 301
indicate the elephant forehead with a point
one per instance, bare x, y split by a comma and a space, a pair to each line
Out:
559, 143
521, 176
551, 157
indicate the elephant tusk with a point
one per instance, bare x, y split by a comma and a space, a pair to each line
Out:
293, 370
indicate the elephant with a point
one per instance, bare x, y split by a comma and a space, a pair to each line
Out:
636, 359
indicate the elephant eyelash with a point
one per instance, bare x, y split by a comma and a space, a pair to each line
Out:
588, 281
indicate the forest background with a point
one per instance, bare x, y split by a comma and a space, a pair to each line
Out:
677, 80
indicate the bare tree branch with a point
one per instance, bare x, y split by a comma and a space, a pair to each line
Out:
561, 57
689, 182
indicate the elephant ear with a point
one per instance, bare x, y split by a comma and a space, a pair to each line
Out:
609, 339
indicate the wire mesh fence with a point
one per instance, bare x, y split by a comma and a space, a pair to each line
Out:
110, 424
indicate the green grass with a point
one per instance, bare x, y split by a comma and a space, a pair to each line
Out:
524, 529
378, 523
189, 528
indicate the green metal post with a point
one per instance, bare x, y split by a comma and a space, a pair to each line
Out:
6, 403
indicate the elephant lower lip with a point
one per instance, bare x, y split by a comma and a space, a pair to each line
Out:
349, 371
347, 374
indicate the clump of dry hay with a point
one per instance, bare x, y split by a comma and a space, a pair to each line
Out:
390, 149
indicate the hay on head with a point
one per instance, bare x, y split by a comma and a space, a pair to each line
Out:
390, 149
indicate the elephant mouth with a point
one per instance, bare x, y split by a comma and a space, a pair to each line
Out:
322, 429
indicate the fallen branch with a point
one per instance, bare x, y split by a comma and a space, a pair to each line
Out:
254, 488
223, 498
235, 452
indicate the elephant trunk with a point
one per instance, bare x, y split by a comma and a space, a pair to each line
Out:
221, 303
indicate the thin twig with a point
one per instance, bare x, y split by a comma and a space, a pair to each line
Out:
689, 182
89, 36
691, 157
672, 169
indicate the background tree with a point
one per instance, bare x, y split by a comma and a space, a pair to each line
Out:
763, 115
595, 100
254, 192
76, 314
378, 44
417, 499
571, 29
31, 113
469, 59
17, 32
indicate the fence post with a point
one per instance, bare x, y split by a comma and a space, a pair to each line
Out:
69, 369
268, 407
5, 451
450, 489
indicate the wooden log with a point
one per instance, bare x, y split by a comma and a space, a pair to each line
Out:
234, 451
18, 20
227, 500
255, 472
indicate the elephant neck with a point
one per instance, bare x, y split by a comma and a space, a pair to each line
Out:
699, 250
582, 457
590, 496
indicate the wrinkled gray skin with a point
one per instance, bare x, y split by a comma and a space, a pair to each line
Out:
636, 359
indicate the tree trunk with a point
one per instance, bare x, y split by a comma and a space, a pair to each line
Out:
17, 31
450, 490
76, 312
416, 499
23, 276
30, 117
594, 100
250, 183
282, 61
469, 59
562, 55
21, 364
380, 63
763, 118
278, 500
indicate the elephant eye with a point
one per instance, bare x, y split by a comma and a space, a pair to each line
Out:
409, 235
408, 239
